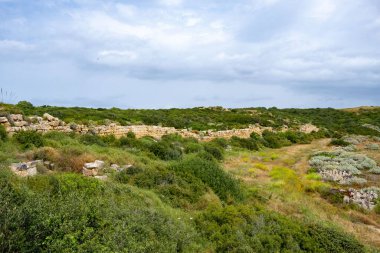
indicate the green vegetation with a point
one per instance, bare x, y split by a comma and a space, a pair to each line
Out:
175, 195
333, 120
29, 139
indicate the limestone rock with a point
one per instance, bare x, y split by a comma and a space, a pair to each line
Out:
49, 117
26, 169
95, 165
3, 120
102, 178
89, 173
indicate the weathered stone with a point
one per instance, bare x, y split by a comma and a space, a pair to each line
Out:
89, 173
95, 165
17, 117
3, 120
49, 117
103, 178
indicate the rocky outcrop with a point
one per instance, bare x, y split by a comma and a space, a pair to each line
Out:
365, 198
16, 122
308, 128
27, 169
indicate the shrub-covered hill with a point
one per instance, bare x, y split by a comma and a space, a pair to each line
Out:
176, 197
342, 121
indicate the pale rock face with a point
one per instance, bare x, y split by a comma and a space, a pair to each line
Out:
95, 165
308, 128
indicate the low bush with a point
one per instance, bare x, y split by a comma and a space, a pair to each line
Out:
211, 174
69, 213
92, 139
241, 229
3, 133
275, 140
29, 139
193, 148
214, 150
339, 142
165, 151
246, 143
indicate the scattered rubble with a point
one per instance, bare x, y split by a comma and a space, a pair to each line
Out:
27, 169
365, 198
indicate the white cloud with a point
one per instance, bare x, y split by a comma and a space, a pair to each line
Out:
323, 10
12, 45
171, 2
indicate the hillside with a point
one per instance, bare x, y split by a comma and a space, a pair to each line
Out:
275, 188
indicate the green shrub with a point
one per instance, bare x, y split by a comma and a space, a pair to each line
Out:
193, 148
275, 140
3, 133
70, 213
29, 139
241, 229
339, 142
26, 107
298, 137
250, 143
211, 174
214, 150
92, 139
165, 151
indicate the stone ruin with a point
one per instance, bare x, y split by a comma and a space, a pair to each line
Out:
95, 168
365, 198
29, 169
17, 122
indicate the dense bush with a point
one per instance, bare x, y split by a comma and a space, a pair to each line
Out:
92, 139
275, 140
241, 229
165, 151
214, 150
3, 133
69, 213
211, 174
29, 139
247, 143
339, 142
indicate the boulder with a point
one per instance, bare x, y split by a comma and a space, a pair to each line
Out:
3, 120
89, 173
49, 117
95, 165
17, 117
20, 123
102, 178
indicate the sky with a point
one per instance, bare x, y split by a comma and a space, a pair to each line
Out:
188, 53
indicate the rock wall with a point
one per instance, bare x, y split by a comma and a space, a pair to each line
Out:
17, 122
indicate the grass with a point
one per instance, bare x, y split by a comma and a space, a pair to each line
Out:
290, 190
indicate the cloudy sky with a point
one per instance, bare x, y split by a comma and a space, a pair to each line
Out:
185, 53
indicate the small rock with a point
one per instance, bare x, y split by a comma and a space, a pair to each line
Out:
95, 165
49, 117
103, 178
89, 173
3, 120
